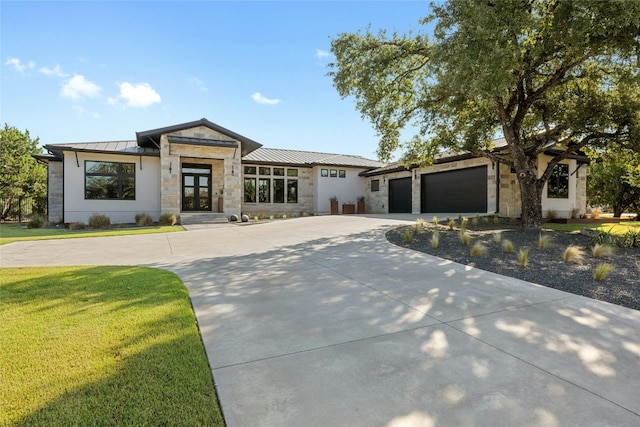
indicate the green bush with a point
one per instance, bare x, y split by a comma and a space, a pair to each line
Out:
100, 221
631, 239
37, 221
77, 226
167, 219
605, 237
144, 220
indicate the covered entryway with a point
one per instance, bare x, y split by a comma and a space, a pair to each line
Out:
400, 195
196, 187
462, 190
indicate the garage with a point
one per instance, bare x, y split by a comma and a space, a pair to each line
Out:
400, 195
458, 191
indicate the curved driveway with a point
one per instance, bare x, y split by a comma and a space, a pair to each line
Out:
321, 322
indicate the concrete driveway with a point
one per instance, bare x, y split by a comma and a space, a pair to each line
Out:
319, 321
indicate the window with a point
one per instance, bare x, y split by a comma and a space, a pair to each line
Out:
342, 173
324, 172
558, 185
333, 173
292, 172
250, 190
264, 190
278, 171
265, 171
375, 185
109, 180
278, 191
292, 191
249, 170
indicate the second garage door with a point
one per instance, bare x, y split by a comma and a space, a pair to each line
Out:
459, 191
400, 195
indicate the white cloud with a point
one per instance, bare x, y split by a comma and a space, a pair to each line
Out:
138, 95
196, 81
78, 87
18, 65
53, 71
264, 100
322, 54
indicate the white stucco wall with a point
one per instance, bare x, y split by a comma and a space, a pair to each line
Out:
77, 209
346, 189
563, 207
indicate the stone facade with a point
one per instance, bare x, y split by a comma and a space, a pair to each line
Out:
55, 193
510, 202
305, 193
225, 169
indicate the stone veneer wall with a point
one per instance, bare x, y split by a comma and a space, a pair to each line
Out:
226, 169
510, 201
305, 194
377, 201
55, 192
581, 190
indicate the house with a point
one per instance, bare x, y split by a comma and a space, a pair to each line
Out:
200, 169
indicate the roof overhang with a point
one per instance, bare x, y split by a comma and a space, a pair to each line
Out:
205, 142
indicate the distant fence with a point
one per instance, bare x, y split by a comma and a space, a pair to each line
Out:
22, 208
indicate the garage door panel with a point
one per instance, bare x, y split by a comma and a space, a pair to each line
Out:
462, 190
400, 195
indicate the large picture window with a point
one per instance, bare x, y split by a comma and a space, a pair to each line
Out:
558, 184
259, 189
109, 180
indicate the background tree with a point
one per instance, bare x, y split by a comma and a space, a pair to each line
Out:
614, 180
20, 174
539, 72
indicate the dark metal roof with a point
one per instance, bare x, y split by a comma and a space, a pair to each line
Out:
202, 141
151, 138
109, 147
46, 158
278, 156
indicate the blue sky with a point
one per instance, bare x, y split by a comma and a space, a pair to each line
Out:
99, 71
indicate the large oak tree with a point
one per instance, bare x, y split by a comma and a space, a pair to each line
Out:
541, 73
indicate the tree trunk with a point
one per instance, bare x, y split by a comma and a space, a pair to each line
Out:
531, 200
617, 211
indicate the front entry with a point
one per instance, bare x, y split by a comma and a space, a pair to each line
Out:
196, 187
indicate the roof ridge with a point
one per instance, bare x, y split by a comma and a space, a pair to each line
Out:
314, 152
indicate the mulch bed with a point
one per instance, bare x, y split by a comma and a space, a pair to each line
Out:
546, 267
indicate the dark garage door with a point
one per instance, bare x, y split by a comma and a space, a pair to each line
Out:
459, 191
400, 195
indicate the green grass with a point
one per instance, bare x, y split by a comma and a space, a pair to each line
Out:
18, 232
101, 346
617, 229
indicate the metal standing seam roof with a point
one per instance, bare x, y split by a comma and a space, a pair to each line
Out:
107, 147
307, 158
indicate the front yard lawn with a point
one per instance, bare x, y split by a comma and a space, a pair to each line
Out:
13, 232
101, 346
614, 228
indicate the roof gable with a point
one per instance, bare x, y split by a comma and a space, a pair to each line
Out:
151, 138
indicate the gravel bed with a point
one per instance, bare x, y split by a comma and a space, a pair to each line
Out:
545, 267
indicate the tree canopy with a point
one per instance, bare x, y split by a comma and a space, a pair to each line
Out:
614, 180
20, 174
538, 72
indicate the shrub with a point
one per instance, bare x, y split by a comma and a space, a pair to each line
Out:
595, 213
167, 219
574, 213
474, 221
496, 218
602, 271
507, 245
144, 220
271, 217
407, 237
451, 223
421, 223
99, 221
605, 237
417, 228
497, 237
552, 214
600, 251
434, 240
464, 237
523, 257
77, 226
543, 241
284, 216
434, 220
37, 221
256, 218
478, 249
631, 239
464, 221
573, 254
485, 220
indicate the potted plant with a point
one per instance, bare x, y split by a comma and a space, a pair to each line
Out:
361, 205
334, 205
221, 200
349, 208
